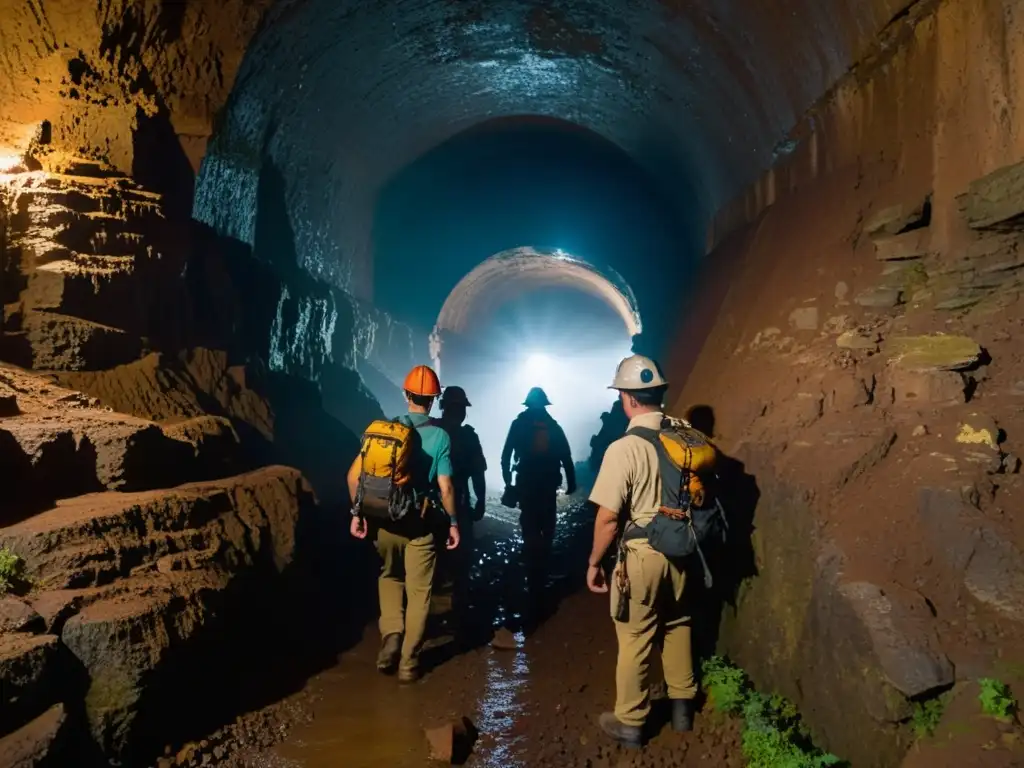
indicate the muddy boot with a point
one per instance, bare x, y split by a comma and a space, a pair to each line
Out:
408, 675
390, 649
682, 715
626, 735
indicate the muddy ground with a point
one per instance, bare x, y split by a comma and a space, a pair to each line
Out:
533, 706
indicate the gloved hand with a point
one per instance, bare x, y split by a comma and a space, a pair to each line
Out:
570, 488
478, 510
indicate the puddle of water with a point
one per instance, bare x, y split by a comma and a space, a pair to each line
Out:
500, 709
366, 720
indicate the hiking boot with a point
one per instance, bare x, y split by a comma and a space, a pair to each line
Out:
682, 715
626, 735
409, 675
390, 649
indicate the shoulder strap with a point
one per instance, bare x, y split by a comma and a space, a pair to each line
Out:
648, 434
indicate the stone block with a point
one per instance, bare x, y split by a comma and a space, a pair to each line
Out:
902, 635
948, 524
926, 388
452, 742
899, 218
39, 743
804, 319
910, 245
504, 640
879, 297
18, 616
27, 670
213, 442
938, 352
862, 340
991, 567
91, 540
846, 391
996, 200
63, 343
995, 574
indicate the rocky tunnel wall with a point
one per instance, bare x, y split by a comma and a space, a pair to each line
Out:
109, 281
857, 340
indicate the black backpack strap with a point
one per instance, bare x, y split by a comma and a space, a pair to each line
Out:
648, 434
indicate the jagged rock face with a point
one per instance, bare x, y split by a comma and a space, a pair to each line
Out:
105, 74
126, 581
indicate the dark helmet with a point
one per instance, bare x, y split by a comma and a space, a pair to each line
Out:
536, 398
454, 396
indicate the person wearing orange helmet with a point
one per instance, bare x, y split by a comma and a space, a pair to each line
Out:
406, 543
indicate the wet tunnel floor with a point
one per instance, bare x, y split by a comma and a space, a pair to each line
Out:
534, 706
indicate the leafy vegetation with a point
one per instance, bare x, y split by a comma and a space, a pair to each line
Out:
996, 699
927, 715
773, 734
11, 568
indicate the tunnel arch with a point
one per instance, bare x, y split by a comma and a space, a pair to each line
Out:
511, 273
341, 95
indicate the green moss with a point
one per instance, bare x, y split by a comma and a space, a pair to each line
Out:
927, 715
12, 569
110, 696
773, 734
996, 699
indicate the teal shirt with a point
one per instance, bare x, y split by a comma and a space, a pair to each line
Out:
436, 450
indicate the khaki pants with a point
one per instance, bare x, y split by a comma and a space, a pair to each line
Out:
655, 603
405, 584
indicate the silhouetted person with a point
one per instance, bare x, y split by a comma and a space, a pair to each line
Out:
537, 450
468, 467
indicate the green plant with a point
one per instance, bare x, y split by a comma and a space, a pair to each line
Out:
996, 699
11, 567
725, 684
927, 715
769, 748
773, 734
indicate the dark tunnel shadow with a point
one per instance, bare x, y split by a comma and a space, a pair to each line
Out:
731, 562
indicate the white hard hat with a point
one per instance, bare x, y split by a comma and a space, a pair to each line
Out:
638, 372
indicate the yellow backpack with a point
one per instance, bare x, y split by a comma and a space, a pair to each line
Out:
385, 489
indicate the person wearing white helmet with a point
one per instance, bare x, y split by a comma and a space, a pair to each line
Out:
628, 489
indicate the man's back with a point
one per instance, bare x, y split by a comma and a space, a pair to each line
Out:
629, 481
433, 454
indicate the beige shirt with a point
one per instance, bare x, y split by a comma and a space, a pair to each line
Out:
629, 482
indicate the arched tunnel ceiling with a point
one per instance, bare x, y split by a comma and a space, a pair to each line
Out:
508, 274
339, 95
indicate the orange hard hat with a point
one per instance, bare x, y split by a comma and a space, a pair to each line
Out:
422, 380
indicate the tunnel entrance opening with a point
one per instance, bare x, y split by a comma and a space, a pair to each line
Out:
530, 317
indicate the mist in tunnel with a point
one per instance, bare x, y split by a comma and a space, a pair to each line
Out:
560, 339
526, 180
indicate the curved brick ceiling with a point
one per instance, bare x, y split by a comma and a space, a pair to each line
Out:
337, 96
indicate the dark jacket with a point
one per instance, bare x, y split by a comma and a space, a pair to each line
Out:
541, 451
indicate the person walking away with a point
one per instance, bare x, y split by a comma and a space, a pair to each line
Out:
468, 468
402, 492
652, 484
537, 450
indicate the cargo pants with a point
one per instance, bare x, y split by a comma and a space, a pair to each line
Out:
404, 587
655, 606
